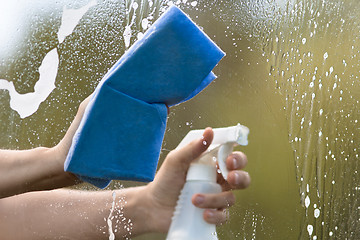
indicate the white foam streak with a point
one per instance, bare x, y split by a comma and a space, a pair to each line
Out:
70, 19
109, 219
28, 103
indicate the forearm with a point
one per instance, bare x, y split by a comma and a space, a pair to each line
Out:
30, 170
40, 168
70, 214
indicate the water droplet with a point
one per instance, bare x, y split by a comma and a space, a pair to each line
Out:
335, 85
326, 55
194, 3
135, 5
316, 213
307, 201
140, 35
127, 36
310, 229
145, 23
303, 40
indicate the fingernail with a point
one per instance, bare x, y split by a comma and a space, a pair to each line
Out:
235, 163
209, 213
237, 178
199, 199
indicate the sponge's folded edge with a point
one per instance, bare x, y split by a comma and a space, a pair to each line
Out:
207, 80
98, 182
118, 138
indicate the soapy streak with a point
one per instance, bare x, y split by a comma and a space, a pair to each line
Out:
128, 32
28, 103
110, 217
70, 18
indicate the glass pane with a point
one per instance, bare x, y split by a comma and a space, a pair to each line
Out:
291, 74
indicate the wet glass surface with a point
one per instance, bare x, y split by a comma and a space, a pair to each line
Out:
291, 75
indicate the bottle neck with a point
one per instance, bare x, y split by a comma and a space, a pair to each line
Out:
201, 172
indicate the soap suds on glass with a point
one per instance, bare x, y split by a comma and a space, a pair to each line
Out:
27, 104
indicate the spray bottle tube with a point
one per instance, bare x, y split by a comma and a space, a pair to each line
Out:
188, 222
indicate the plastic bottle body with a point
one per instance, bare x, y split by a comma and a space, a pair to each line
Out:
188, 221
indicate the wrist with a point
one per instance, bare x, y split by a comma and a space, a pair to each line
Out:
158, 215
141, 215
131, 212
51, 174
58, 155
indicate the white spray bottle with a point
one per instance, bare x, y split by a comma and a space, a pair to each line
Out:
188, 222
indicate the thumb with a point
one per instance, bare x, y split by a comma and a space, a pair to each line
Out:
182, 157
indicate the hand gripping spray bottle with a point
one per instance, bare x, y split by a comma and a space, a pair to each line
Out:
188, 222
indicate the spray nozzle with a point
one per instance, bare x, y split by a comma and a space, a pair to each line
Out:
222, 145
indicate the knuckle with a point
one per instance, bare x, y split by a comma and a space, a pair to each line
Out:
171, 155
246, 179
220, 216
242, 159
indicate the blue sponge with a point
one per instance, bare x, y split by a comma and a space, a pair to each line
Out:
121, 132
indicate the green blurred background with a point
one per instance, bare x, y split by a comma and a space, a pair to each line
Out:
291, 74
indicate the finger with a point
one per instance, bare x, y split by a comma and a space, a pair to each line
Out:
83, 105
236, 161
220, 200
216, 216
238, 179
181, 158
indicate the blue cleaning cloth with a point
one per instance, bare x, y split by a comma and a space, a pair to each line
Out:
121, 132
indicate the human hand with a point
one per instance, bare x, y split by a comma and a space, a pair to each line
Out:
59, 152
39, 168
162, 194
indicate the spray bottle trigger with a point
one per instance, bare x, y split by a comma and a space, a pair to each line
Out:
223, 153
